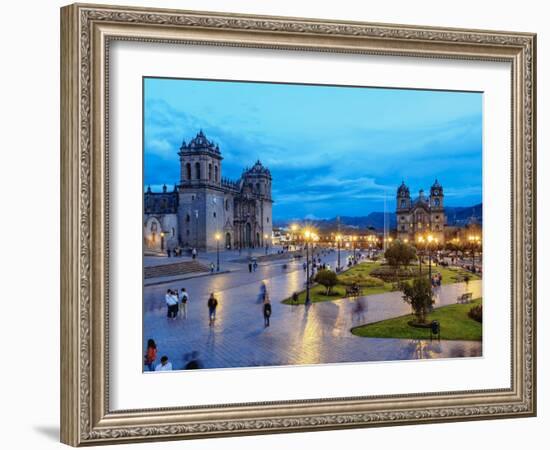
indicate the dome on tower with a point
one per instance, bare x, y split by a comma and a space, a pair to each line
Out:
403, 190
436, 187
200, 143
258, 169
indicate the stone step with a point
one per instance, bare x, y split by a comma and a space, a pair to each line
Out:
169, 270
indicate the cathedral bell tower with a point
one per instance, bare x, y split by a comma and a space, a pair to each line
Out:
436, 197
200, 162
201, 200
403, 197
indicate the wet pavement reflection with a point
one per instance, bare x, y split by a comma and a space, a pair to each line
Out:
297, 334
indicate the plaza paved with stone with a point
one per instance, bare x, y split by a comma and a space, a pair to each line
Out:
298, 334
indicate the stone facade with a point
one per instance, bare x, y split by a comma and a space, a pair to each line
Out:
421, 216
205, 204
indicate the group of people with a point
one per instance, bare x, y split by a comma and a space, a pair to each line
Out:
151, 357
176, 303
191, 360
177, 251
436, 280
252, 266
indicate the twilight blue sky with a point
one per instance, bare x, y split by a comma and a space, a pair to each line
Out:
331, 150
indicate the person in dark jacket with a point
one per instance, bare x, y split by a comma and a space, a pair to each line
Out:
267, 310
212, 305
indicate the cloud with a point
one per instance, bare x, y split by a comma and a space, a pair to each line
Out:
318, 164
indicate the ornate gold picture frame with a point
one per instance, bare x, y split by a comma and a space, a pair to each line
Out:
87, 31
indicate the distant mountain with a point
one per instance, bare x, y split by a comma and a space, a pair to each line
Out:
463, 215
456, 216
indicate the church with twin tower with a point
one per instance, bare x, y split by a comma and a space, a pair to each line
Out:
205, 206
422, 216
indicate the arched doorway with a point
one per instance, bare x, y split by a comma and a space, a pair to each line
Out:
228, 240
153, 234
248, 236
258, 241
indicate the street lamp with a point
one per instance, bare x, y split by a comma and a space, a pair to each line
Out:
307, 235
218, 236
293, 228
338, 240
420, 241
430, 239
266, 243
474, 240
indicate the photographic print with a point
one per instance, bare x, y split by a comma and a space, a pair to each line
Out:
297, 224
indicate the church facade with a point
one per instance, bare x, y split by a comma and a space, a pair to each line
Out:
422, 216
205, 206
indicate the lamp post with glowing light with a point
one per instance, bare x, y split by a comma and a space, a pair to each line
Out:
474, 241
266, 243
218, 236
430, 240
293, 229
162, 241
307, 235
338, 240
420, 241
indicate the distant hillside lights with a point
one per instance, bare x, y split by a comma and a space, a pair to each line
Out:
421, 218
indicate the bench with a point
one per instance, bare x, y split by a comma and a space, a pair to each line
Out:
464, 298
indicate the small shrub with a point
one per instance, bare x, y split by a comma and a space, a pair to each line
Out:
328, 279
388, 273
476, 313
360, 279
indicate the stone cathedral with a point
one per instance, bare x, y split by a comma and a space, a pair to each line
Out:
422, 215
205, 204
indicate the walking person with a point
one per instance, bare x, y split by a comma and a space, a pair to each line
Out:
250, 266
184, 297
194, 253
150, 355
267, 310
212, 305
263, 292
255, 265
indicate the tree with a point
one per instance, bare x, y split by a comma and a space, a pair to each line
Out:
327, 278
418, 294
400, 254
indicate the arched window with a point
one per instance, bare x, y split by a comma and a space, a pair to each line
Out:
216, 173
226, 204
188, 171
187, 218
197, 171
209, 172
258, 187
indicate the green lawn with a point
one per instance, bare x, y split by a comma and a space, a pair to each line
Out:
454, 321
371, 285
